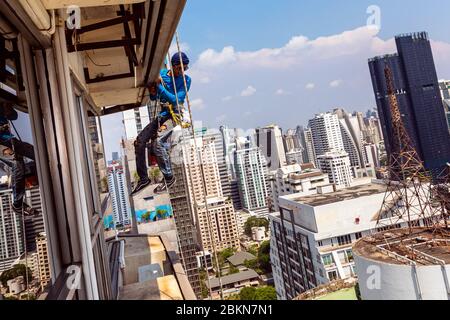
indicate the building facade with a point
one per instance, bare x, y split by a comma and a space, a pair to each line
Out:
270, 141
43, 261
337, 165
296, 179
419, 98
326, 133
312, 236
11, 232
119, 195
251, 169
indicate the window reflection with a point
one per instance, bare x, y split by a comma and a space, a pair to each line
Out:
24, 261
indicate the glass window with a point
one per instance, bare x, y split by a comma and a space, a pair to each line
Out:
327, 260
23, 238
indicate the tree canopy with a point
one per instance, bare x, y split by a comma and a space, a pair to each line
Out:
255, 222
16, 271
261, 293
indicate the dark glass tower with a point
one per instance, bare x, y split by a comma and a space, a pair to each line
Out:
418, 94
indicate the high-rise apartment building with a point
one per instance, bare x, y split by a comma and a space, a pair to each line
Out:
136, 120
352, 135
216, 217
306, 140
43, 261
34, 225
312, 236
326, 133
337, 165
445, 93
119, 195
11, 232
270, 141
201, 225
252, 175
294, 156
416, 86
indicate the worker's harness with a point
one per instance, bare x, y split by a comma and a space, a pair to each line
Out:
177, 118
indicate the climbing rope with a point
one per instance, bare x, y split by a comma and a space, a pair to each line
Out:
201, 167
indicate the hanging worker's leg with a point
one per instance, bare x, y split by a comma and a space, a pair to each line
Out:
150, 132
18, 187
161, 149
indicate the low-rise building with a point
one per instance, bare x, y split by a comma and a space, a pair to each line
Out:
259, 234
233, 284
304, 179
239, 258
312, 236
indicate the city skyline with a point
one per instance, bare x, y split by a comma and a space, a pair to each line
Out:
249, 107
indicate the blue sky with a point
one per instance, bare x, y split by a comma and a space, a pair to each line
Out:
258, 62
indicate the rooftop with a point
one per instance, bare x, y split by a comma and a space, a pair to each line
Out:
422, 247
336, 290
340, 195
152, 271
239, 258
233, 278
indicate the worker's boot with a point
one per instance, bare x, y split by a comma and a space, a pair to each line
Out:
165, 185
25, 209
141, 185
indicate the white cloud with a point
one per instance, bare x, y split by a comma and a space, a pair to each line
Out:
343, 44
184, 47
308, 64
221, 118
198, 104
205, 80
335, 83
249, 91
310, 86
281, 92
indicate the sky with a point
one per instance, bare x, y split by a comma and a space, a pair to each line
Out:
261, 62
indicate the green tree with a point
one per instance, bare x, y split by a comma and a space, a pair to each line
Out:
232, 270
226, 253
265, 293
155, 174
247, 293
264, 257
135, 177
255, 222
251, 264
14, 272
205, 291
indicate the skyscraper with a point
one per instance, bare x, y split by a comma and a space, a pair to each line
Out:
445, 92
326, 133
135, 121
252, 175
43, 262
119, 195
416, 84
11, 232
306, 140
270, 141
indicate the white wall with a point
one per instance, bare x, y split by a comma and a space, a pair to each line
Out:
398, 282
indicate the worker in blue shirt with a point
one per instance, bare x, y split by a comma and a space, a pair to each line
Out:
15, 149
167, 92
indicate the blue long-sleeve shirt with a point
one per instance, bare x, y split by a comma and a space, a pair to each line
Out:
166, 90
6, 135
